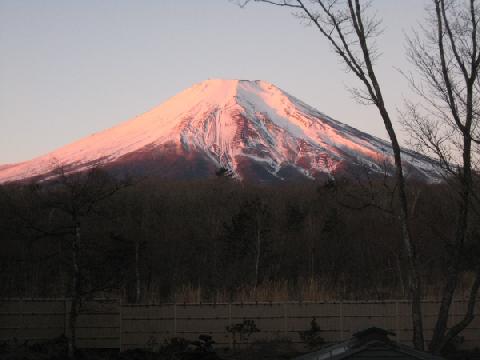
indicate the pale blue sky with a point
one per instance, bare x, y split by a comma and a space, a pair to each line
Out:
70, 68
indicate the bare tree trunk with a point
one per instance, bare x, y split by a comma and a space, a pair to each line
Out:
257, 258
76, 292
137, 271
469, 315
439, 338
400, 274
312, 248
469, 76
376, 94
414, 278
350, 44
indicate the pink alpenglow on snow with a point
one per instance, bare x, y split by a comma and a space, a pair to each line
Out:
252, 128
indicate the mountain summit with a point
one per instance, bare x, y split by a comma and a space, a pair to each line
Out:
251, 128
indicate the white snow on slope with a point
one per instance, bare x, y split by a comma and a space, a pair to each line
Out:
227, 120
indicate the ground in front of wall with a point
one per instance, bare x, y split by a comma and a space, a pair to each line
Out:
56, 349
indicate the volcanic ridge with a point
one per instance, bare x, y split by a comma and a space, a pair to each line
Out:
252, 129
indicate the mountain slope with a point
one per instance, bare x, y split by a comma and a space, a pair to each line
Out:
252, 128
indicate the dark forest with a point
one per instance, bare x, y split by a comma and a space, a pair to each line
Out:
219, 240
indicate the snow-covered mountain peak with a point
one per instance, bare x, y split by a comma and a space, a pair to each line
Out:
253, 128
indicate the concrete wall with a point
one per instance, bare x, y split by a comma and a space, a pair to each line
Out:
110, 324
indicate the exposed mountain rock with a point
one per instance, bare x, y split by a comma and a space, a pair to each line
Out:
251, 128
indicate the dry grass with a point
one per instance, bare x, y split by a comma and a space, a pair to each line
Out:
302, 290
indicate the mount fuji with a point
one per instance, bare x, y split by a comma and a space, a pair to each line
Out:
253, 129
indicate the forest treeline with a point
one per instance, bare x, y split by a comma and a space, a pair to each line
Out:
220, 239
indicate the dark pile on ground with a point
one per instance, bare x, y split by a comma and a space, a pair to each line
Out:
175, 349
465, 355
272, 350
55, 349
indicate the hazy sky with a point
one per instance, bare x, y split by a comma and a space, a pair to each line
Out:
69, 68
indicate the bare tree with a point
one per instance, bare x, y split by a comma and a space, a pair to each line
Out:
134, 226
69, 199
351, 31
261, 214
445, 125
